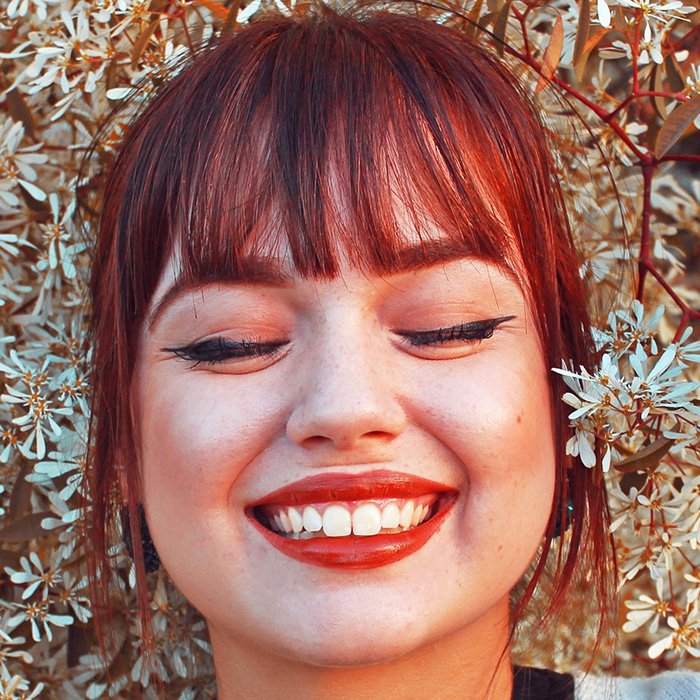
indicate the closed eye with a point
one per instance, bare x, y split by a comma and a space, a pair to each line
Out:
217, 350
464, 332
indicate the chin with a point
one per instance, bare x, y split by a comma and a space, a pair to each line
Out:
348, 653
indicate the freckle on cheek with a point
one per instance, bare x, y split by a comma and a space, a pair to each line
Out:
519, 419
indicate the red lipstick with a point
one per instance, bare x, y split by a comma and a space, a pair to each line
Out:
353, 551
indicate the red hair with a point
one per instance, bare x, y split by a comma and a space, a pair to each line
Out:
317, 127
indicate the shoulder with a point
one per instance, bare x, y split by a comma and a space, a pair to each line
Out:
670, 685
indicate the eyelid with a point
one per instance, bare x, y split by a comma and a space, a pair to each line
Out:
251, 348
483, 326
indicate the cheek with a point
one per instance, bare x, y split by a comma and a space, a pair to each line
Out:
197, 434
494, 415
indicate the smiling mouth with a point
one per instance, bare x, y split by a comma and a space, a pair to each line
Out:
364, 518
352, 521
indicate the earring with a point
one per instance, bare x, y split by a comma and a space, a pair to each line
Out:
558, 530
151, 559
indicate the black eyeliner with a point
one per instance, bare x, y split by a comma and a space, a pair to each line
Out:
220, 349
473, 330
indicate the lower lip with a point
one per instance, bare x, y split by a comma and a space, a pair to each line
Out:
354, 552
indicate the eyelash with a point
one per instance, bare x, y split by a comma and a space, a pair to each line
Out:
217, 350
472, 331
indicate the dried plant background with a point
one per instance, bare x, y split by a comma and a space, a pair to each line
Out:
629, 68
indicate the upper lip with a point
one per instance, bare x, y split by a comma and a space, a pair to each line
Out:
380, 483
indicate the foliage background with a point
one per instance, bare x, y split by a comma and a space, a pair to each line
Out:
619, 85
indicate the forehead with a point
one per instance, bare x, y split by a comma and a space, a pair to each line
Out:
270, 263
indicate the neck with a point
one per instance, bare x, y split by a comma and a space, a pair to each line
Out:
472, 663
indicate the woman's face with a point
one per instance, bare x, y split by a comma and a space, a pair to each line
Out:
281, 403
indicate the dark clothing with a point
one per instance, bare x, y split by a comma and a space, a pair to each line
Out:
541, 684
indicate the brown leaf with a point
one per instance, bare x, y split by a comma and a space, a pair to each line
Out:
472, 26
500, 25
591, 42
20, 498
552, 54
9, 559
26, 528
142, 42
657, 82
674, 127
583, 29
646, 459
673, 74
230, 21
216, 8
18, 109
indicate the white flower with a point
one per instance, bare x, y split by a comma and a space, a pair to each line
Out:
39, 613
604, 15
46, 579
650, 46
663, 12
685, 637
645, 609
13, 686
16, 165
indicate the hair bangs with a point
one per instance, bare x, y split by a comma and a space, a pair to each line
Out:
278, 151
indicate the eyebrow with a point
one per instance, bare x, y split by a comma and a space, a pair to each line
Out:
269, 271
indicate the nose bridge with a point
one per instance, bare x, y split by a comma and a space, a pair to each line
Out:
348, 391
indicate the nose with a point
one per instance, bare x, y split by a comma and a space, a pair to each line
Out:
347, 398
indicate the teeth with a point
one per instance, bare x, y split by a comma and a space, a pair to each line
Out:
390, 516
340, 519
312, 520
418, 515
337, 521
366, 520
406, 516
286, 522
295, 519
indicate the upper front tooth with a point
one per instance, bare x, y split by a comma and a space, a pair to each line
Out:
366, 520
311, 519
337, 521
406, 516
390, 515
295, 520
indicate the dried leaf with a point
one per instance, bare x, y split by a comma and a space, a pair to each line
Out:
500, 26
18, 109
552, 54
214, 7
646, 459
230, 21
472, 26
673, 74
657, 82
583, 29
674, 127
26, 528
142, 41
9, 559
20, 498
591, 42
